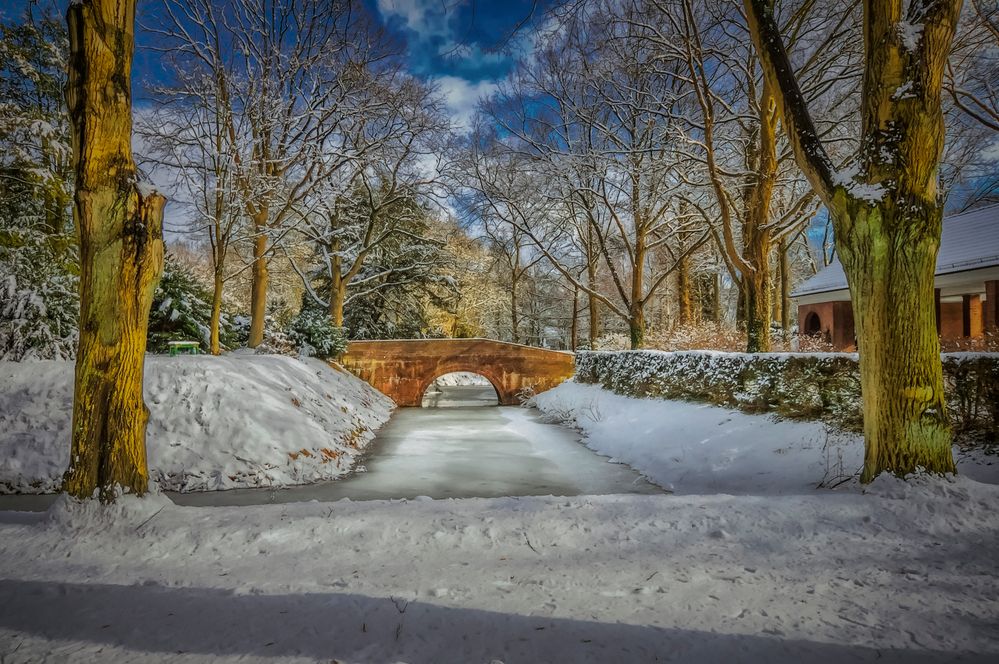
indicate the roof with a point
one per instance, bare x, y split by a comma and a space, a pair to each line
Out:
969, 241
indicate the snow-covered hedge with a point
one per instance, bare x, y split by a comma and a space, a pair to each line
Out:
793, 385
238, 420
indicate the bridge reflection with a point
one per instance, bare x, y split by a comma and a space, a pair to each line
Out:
459, 396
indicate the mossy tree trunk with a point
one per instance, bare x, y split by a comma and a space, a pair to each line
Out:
121, 256
759, 291
887, 216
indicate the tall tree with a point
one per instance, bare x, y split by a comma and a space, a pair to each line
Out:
887, 213
119, 225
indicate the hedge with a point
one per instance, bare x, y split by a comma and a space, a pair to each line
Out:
792, 385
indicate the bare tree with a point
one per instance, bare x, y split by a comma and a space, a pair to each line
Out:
188, 137
380, 196
731, 124
292, 75
590, 116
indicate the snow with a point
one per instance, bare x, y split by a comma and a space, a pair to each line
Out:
691, 448
146, 189
237, 420
847, 178
901, 573
910, 34
780, 573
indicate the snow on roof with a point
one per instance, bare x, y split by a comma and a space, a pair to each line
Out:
970, 241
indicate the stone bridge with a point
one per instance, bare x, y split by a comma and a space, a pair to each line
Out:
404, 369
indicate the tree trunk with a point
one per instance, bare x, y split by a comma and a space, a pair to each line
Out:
337, 297
758, 295
574, 330
258, 283
636, 325
121, 256
684, 301
785, 288
514, 323
338, 292
887, 218
214, 346
636, 313
905, 421
716, 306
591, 281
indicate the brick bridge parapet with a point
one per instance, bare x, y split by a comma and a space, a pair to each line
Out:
403, 369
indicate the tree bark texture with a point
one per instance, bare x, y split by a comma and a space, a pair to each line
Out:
573, 331
259, 277
785, 287
887, 219
119, 229
685, 309
593, 304
214, 345
636, 313
758, 289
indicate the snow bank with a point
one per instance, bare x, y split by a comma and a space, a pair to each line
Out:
698, 448
239, 420
903, 574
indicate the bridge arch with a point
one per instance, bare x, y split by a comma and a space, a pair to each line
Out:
497, 383
403, 369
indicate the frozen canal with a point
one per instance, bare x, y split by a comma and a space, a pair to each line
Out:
452, 449
458, 450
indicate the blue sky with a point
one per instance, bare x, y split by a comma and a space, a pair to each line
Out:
465, 46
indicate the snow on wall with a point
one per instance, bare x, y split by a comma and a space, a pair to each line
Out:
239, 420
794, 385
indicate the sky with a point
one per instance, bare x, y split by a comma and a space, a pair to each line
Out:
465, 46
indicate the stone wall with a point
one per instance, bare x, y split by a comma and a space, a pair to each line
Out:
793, 385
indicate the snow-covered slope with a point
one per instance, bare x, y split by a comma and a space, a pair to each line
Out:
215, 422
693, 448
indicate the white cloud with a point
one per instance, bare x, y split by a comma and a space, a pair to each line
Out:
424, 17
462, 96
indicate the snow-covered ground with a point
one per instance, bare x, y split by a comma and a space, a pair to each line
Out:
894, 572
694, 448
902, 573
237, 420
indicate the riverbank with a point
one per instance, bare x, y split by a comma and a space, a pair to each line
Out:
696, 448
238, 420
